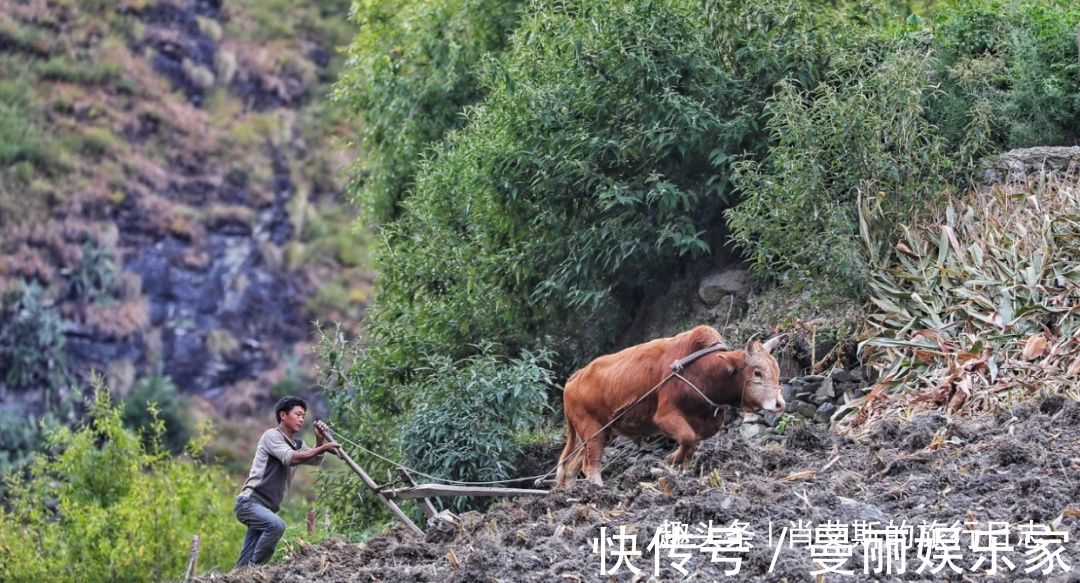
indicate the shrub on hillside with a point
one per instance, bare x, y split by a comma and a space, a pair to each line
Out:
464, 426
464, 422
102, 507
32, 342
860, 135
1009, 67
20, 440
153, 400
93, 277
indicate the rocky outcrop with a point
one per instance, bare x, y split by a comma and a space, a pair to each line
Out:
720, 287
1029, 162
812, 398
208, 175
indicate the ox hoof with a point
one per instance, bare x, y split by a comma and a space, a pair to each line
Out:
678, 464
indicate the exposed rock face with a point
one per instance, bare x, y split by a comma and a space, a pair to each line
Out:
218, 297
197, 214
1025, 162
183, 53
717, 287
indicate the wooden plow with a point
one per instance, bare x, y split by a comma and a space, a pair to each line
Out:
388, 494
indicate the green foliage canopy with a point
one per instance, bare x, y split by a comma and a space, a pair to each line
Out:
861, 135
1011, 68
598, 163
410, 71
105, 508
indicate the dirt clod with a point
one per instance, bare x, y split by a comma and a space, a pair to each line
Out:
808, 438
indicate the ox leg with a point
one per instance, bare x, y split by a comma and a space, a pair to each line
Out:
570, 461
676, 427
594, 452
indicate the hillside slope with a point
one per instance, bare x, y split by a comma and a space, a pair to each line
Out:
171, 190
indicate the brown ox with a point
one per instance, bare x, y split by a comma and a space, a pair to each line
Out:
607, 388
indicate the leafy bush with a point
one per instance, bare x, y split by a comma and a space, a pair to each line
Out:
32, 342
978, 303
368, 410
861, 134
154, 400
410, 73
602, 153
32, 357
105, 508
20, 440
463, 422
1012, 66
463, 427
94, 276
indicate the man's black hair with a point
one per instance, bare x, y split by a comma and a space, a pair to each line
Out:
286, 404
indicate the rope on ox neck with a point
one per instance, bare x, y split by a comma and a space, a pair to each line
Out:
716, 408
681, 363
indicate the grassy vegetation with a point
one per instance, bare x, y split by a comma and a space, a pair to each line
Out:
92, 509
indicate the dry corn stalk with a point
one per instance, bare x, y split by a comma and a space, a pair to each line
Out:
979, 301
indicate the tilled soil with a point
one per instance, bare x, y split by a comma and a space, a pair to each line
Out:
1017, 467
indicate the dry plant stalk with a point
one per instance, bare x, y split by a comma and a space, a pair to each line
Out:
193, 559
978, 304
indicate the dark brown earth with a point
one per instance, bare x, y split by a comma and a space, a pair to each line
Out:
1018, 466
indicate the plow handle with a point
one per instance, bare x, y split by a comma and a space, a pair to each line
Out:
321, 430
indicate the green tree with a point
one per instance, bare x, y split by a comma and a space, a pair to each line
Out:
409, 75
103, 507
861, 135
1008, 68
597, 166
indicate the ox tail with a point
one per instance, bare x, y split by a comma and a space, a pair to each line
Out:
569, 456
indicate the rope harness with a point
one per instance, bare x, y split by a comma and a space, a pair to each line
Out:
676, 368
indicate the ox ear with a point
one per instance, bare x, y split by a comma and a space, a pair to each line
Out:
773, 342
728, 366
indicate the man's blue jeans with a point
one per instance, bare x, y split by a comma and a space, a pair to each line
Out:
264, 531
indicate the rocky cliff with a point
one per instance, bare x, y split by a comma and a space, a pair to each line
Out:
170, 192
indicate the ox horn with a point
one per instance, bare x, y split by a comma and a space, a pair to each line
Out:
773, 342
750, 348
